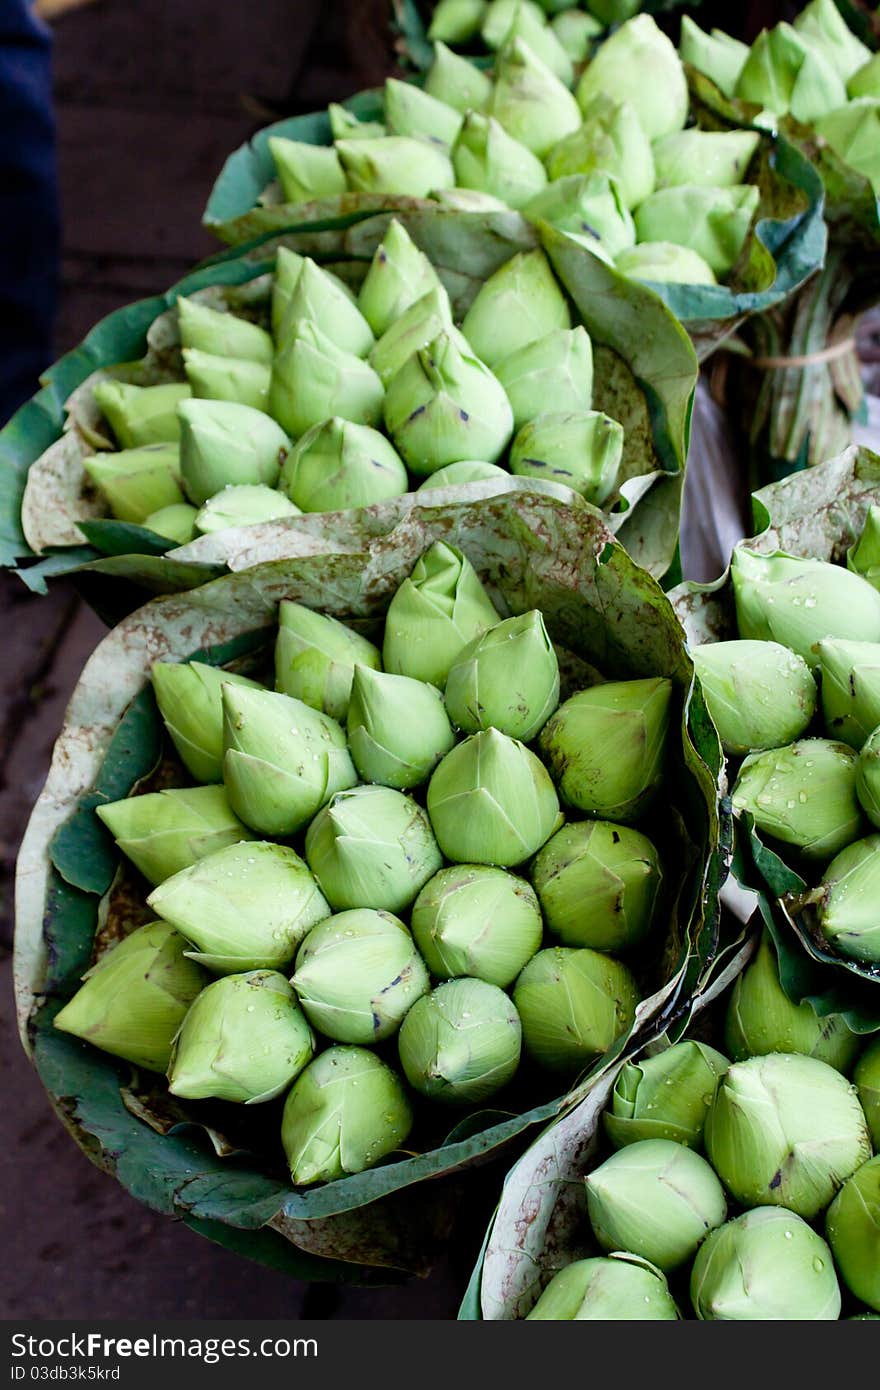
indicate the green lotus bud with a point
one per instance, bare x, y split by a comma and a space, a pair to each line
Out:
190, 702
573, 1005
283, 760
137, 482
418, 326
611, 141
478, 921
868, 777
222, 334
507, 679
471, 199
820, 23
398, 729
864, 557
785, 73
867, 1079
396, 164
606, 746
785, 1131
639, 64
501, 14
244, 1039
853, 1230
853, 132
716, 55
133, 1000
557, 367
865, 82
798, 602
529, 25
306, 172
436, 611
357, 974
315, 657
618, 1288
456, 21
712, 158
176, 522
714, 222
582, 449
399, 275
492, 802
520, 304
343, 1114
759, 694
288, 265
458, 82
222, 442
227, 378
344, 125
244, 505
589, 205
657, 1199
767, 1265
328, 303
141, 415
598, 884
314, 380
666, 1096
445, 405
576, 31
847, 901
761, 1018
850, 689
372, 847
461, 1043
487, 159
803, 795
411, 111
245, 907
337, 465
465, 471
530, 101
662, 262
164, 832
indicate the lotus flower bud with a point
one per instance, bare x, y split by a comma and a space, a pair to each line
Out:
190, 702
501, 14
865, 82
461, 1043
141, 415
710, 158
245, 907
610, 140
243, 505
337, 465
396, 164
864, 557
456, 21
867, 1079
344, 125
137, 482
662, 262
620, 1288
666, 1096
222, 334
639, 64
573, 1005
489, 160
398, 729
244, 1039
465, 471
227, 378
288, 265
766, 1265
327, 302
418, 326
588, 205
581, 449
850, 689
477, 921
530, 101
785, 1131
784, 73
399, 275
410, 111
558, 366
847, 901
436, 611
444, 405
344, 1113
175, 523
519, 304
492, 802
283, 760
508, 679
305, 171
798, 602
313, 380
222, 442
458, 82
372, 847
528, 23
606, 746
761, 1018
315, 657
821, 24
868, 777
471, 199
714, 222
759, 694
716, 55
656, 1199
598, 885
387, 976
853, 1230
853, 132
576, 31
164, 832
803, 795
133, 1000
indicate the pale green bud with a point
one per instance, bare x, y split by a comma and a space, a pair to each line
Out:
396, 164
337, 465
314, 380
329, 304
766, 1265
288, 265
853, 1230
315, 657
344, 125
411, 111
573, 1005
305, 171
519, 304
866, 81
821, 24
867, 1079
558, 366
176, 522
864, 557
489, 160
189, 696
639, 64
344, 1113
477, 921
610, 140
458, 82
598, 885
164, 832
853, 132
582, 449
507, 679
619, 1288
417, 326
227, 378
141, 415
666, 1096
850, 689
222, 334
133, 1000
465, 471
137, 482
530, 101
662, 262
868, 777
456, 21
501, 14
716, 55
222, 442
798, 602
461, 1043
803, 795
436, 611
576, 30
714, 158
714, 222
785, 73
507, 22
398, 729
372, 847
606, 746
244, 1039
243, 505
589, 205
785, 1131
759, 694
399, 275
846, 901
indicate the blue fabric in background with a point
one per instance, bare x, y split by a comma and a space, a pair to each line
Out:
29, 222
